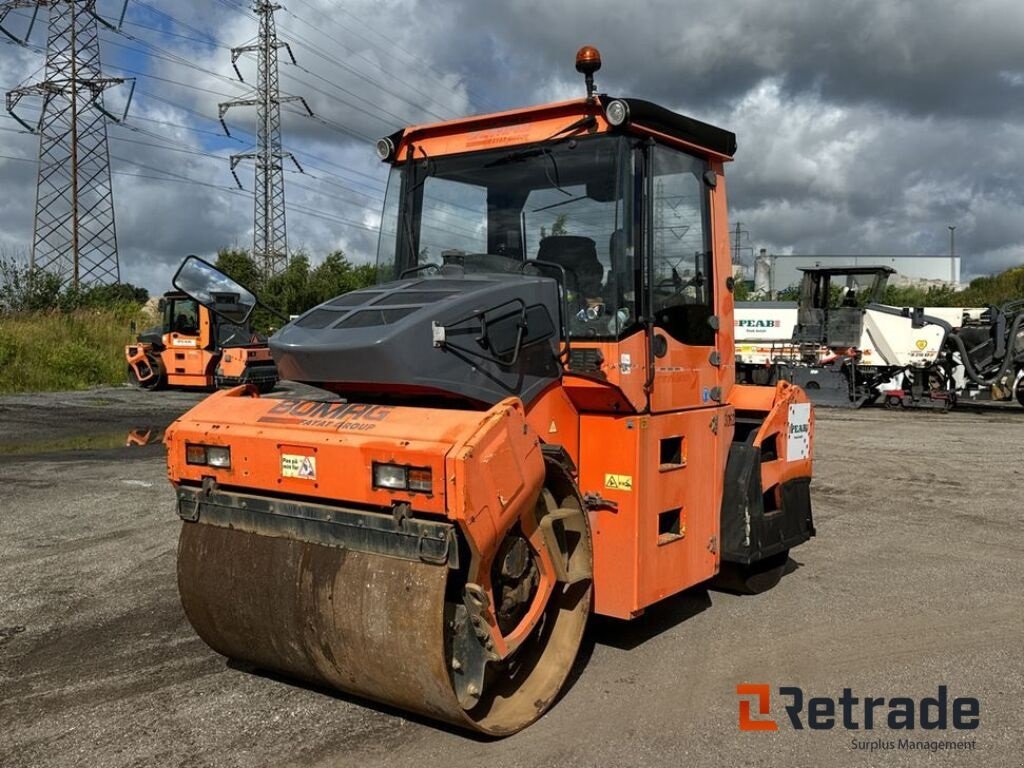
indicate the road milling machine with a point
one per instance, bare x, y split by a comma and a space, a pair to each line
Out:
195, 347
531, 418
846, 348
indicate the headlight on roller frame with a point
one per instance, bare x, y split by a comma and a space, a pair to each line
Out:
218, 456
399, 477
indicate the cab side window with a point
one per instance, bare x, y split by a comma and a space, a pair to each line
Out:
681, 247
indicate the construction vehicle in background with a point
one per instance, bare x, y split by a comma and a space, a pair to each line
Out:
985, 355
531, 419
846, 348
194, 347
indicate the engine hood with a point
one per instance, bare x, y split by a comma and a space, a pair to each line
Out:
443, 335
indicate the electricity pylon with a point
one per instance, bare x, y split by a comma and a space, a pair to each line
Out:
74, 233
270, 240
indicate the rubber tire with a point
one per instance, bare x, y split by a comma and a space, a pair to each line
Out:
1020, 392
753, 579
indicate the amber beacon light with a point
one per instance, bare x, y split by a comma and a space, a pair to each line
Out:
588, 61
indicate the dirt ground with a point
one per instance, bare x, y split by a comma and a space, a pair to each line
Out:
914, 580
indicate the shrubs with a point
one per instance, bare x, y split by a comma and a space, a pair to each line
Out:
48, 351
53, 338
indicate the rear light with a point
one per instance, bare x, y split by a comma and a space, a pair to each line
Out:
208, 455
420, 480
195, 454
399, 477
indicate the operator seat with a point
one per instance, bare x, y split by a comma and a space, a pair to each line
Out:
578, 257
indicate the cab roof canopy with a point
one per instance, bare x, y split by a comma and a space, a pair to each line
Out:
849, 270
548, 121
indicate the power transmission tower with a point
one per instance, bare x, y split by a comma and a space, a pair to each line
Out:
741, 245
270, 241
74, 233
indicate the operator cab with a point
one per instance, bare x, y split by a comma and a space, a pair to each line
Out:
833, 301
585, 228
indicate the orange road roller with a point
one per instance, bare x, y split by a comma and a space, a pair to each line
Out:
533, 417
194, 347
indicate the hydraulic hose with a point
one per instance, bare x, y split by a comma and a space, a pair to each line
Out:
969, 368
972, 373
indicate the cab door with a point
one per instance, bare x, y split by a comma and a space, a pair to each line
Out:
186, 338
682, 285
183, 323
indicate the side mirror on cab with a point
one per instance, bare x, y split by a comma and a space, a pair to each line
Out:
216, 291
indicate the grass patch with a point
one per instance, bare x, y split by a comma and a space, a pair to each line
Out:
53, 351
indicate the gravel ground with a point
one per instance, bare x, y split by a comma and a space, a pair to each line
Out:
915, 580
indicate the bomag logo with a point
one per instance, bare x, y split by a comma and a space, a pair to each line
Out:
854, 713
759, 323
355, 417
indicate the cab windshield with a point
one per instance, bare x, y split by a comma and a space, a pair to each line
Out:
564, 203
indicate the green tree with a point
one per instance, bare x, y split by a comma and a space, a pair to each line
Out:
289, 290
337, 275
741, 292
25, 288
240, 266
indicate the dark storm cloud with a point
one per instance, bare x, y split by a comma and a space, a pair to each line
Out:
914, 56
864, 126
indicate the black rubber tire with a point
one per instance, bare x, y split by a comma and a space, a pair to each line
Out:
753, 579
1020, 392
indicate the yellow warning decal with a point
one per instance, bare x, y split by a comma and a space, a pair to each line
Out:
293, 465
922, 344
618, 482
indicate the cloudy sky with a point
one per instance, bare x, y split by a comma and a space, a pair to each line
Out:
864, 126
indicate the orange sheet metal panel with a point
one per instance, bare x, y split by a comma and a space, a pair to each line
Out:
181, 360
684, 377
493, 131
662, 536
788, 425
234, 360
554, 417
494, 473
624, 366
610, 453
189, 380
272, 439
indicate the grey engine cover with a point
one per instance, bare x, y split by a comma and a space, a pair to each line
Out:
382, 337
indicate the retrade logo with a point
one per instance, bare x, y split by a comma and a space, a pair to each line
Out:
760, 693
855, 713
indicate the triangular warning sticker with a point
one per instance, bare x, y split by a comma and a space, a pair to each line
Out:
553, 428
